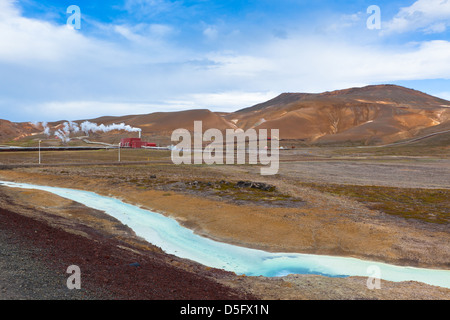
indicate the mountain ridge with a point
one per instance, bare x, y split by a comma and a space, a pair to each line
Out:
368, 115
374, 114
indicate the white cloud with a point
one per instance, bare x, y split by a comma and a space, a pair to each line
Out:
343, 22
76, 110
41, 44
233, 64
27, 39
211, 33
229, 101
318, 64
444, 95
430, 16
144, 33
53, 72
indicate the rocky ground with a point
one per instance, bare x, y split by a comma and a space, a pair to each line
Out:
34, 258
41, 234
37, 247
35, 253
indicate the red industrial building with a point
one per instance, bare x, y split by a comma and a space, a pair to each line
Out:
135, 143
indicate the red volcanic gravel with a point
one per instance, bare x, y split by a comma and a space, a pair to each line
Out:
106, 270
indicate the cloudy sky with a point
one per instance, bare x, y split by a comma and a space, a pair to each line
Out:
143, 56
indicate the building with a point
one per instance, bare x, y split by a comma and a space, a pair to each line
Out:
135, 143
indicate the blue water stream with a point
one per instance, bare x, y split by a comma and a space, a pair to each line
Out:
175, 239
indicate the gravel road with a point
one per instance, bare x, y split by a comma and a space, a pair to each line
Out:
407, 174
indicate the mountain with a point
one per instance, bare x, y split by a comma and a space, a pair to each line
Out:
164, 123
15, 131
377, 114
372, 114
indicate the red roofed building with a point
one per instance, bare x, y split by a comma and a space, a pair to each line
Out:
135, 143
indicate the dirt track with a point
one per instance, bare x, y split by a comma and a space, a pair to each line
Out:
390, 173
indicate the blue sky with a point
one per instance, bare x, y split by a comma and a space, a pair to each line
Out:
143, 56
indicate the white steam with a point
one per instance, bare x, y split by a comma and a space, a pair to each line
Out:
47, 131
63, 135
87, 127
44, 126
69, 128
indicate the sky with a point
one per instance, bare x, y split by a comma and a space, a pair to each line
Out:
144, 56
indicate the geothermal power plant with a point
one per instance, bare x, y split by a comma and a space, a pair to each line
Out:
72, 128
135, 143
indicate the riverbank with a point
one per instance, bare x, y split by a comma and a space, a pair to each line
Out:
174, 239
38, 245
300, 215
75, 219
36, 254
319, 224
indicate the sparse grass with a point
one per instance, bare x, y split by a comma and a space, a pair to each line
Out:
158, 172
202, 181
84, 156
230, 190
430, 205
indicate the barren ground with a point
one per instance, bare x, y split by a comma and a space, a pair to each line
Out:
298, 216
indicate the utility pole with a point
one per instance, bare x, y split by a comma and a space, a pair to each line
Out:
119, 151
39, 151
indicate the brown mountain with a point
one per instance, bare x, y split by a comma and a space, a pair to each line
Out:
164, 123
372, 114
369, 115
15, 131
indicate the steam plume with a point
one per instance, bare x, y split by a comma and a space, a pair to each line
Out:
64, 136
70, 128
87, 127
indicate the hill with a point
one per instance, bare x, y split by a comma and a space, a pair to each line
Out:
11, 131
379, 114
164, 123
368, 115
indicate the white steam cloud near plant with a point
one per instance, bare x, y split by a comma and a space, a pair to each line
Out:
69, 128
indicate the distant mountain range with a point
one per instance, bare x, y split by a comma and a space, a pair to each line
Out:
369, 115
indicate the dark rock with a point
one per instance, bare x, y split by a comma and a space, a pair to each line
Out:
255, 185
244, 184
135, 264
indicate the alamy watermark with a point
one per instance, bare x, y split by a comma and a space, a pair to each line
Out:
238, 147
374, 280
74, 20
374, 21
74, 281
